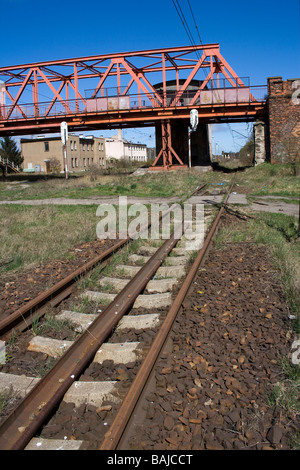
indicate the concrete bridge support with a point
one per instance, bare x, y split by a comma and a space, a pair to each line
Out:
260, 142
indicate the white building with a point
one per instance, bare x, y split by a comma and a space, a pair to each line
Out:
117, 147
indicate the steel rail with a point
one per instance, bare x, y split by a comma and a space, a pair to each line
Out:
21, 425
35, 308
27, 418
113, 436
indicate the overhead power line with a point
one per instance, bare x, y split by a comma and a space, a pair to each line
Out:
188, 29
195, 22
246, 137
193, 43
185, 24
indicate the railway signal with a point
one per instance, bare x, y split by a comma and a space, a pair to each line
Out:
192, 128
64, 139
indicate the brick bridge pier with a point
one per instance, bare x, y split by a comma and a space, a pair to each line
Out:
277, 138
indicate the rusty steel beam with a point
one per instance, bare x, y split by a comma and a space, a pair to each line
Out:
122, 72
103, 57
110, 66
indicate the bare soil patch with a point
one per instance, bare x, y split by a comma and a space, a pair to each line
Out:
20, 287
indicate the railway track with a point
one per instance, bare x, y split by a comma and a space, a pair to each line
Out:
24, 316
138, 301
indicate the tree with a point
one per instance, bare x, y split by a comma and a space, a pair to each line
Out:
246, 153
10, 151
55, 165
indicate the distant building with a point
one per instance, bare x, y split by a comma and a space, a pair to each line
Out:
230, 155
41, 154
117, 147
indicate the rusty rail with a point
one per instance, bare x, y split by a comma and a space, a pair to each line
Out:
25, 420
35, 308
116, 430
21, 425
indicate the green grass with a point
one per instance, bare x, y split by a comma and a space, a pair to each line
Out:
4, 397
152, 184
50, 323
285, 394
41, 369
33, 234
268, 179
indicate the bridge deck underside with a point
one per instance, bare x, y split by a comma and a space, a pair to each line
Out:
126, 118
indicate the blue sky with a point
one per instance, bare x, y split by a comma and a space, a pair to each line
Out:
259, 39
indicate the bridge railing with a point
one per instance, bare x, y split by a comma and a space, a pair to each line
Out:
190, 98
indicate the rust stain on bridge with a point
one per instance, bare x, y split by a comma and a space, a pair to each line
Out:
120, 90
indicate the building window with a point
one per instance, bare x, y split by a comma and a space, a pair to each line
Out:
46, 144
71, 144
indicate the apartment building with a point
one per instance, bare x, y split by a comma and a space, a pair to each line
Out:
43, 154
117, 147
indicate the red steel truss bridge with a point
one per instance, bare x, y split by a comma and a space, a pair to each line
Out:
123, 90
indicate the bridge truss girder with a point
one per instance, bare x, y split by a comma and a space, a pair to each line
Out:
76, 85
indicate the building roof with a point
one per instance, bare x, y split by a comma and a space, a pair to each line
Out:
55, 138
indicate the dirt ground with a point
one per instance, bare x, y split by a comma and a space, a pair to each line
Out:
265, 204
19, 288
212, 389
